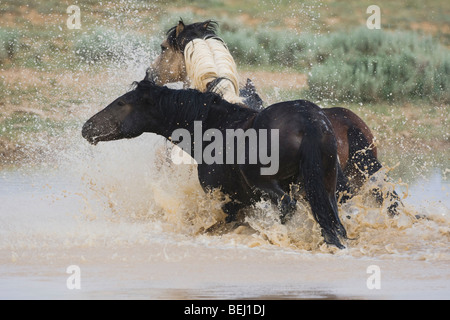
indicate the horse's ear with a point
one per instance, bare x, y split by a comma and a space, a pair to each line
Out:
179, 28
206, 24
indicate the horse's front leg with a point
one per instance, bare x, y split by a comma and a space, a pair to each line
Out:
231, 209
281, 198
287, 207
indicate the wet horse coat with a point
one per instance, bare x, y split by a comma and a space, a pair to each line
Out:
306, 148
356, 146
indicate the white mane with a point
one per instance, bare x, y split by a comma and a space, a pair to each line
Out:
209, 59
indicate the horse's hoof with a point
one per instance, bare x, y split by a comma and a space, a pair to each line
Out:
230, 218
331, 239
285, 217
341, 231
287, 208
392, 209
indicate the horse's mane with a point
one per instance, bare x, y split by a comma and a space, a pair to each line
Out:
209, 59
203, 29
174, 104
187, 105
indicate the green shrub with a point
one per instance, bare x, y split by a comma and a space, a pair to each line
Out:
265, 47
245, 48
361, 65
374, 66
9, 43
110, 45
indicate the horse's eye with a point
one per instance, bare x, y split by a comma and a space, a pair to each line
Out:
121, 103
163, 48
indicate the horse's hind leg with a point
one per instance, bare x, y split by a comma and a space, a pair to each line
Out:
363, 164
343, 190
393, 198
396, 201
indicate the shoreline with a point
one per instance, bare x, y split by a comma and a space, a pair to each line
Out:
49, 105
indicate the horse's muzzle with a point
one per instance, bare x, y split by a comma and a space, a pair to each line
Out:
87, 133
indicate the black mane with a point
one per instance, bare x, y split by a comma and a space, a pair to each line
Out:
198, 30
183, 106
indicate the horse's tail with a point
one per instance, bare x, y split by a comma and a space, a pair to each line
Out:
318, 169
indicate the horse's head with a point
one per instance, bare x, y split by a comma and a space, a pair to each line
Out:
193, 54
126, 117
170, 65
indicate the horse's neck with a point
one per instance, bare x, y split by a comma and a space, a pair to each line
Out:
180, 110
228, 116
219, 119
189, 113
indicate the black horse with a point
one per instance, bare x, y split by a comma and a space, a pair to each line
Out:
306, 147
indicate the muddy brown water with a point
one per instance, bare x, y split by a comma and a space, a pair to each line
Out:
134, 226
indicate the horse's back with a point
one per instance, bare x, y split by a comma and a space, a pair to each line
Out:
291, 116
295, 122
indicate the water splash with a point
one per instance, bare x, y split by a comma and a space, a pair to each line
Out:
135, 181
131, 194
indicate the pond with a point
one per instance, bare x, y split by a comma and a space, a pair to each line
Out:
135, 228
